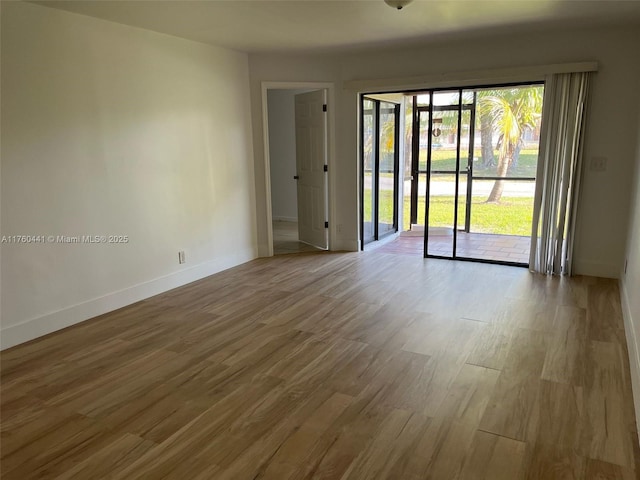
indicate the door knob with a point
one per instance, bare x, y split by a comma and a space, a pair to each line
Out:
296, 177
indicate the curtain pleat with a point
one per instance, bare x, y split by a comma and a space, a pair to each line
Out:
558, 174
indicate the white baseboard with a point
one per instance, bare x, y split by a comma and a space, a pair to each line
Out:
263, 250
634, 351
595, 269
51, 322
285, 219
345, 245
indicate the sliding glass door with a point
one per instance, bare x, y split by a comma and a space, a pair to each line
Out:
368, 200
475, 156
447, 171
380, 132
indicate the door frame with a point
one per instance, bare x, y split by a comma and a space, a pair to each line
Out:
397, 197
431, 89
469, 171
331, 106
459, 108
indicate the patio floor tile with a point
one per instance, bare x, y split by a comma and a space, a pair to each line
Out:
499, 248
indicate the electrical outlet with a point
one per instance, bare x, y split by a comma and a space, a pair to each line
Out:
339, 228
181, 257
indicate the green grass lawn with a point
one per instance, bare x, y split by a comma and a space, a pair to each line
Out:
512, 216
446, 160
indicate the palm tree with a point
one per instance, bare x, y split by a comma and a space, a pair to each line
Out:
486, 141
509, 111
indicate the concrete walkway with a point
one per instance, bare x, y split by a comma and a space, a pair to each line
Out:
481, 188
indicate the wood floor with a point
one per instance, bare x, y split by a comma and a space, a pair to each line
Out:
333, 366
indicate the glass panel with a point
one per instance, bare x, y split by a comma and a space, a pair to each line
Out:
422, 195
444, 141
464, 172
508, 131
446, 98
405, 211
499, 232
387, 145
467, 97
462, 202
368, 122
441, 213
465, 135
422, 166
424, 141
511, 216
423, 100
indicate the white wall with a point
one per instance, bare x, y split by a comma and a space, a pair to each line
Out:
630, 282
282, 154
610, 131
109, 129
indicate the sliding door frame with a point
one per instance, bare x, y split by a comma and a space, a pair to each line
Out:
375, 181
415, 149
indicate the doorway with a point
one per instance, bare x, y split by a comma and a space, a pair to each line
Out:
473, 158
296, 134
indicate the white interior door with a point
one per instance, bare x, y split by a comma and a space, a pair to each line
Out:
311, 158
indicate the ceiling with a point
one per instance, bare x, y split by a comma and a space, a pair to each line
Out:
295, 25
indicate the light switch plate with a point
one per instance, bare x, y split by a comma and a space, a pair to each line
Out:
599, 164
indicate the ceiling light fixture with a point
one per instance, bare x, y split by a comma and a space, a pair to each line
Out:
397, 4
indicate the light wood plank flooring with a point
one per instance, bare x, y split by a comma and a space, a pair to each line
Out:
333, 366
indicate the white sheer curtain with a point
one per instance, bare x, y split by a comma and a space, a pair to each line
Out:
558, 176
